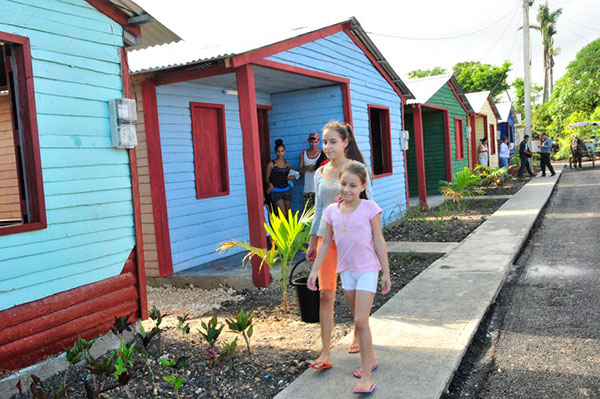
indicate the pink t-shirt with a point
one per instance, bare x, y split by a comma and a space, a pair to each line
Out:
354, 237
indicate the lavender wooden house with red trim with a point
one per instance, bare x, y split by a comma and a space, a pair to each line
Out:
69, 208
210, 121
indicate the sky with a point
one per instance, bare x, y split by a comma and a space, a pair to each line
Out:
487, 30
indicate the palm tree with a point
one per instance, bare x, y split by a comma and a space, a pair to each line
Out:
547, 27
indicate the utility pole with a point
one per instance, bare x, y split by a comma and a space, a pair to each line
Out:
527, 65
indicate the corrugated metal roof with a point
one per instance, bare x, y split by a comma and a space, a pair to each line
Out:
425, 88
153, 33
200, 55
504, 109
478, 99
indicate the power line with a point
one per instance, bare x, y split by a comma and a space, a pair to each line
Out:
580, 24
446, 37
501, 35
573, 32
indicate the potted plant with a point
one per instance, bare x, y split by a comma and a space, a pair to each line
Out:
289, 234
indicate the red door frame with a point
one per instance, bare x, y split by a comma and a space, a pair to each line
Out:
473, 141
420, 154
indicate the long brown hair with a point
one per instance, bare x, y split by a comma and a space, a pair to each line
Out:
345, 131
359, 171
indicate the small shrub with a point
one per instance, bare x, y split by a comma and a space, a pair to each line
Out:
464, 184
211, 331
242, 324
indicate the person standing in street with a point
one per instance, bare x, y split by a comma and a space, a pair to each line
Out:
524, 155
504, 154
545, 149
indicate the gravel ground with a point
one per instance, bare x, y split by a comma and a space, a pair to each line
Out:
542, 339
444, 223
281, 345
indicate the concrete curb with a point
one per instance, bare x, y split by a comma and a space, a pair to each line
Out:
420, 247
423, 332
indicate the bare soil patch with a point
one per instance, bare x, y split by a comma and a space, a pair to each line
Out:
281, 345
444, 223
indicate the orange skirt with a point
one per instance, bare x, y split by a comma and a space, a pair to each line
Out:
327, 275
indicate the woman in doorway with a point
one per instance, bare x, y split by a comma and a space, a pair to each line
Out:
278, 176
308, 165
483, 152
341, 149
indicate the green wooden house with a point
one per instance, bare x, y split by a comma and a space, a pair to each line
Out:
437, 123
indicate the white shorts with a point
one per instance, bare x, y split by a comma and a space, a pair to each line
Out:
357, 281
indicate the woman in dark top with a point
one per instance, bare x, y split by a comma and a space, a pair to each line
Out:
278, 176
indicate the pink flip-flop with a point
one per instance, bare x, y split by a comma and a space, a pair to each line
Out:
358, 372
354, 348
366, 390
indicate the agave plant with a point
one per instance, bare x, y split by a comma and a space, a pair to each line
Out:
289, 235
464, 184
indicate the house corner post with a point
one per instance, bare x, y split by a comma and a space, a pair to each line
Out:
420, 156
448, 139
473, 142
252, 169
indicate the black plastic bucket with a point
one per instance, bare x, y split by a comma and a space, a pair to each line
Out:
308, 300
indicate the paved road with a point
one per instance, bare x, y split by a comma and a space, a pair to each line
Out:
543, 338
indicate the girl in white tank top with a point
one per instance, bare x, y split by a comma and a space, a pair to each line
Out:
308, 165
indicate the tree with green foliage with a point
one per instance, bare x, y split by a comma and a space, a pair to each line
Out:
519, 86
423, 73
577, 94
547, 28
475, 76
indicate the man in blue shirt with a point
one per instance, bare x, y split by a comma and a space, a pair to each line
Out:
545, 148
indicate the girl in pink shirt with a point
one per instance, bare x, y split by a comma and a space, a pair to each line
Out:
355, 226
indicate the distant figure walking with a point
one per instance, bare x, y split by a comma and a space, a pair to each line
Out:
524, 155
483, 152
504, 155
355, 225
545, 149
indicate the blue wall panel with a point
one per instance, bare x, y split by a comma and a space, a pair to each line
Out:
338, 55
294, 115
198, 226
76, 67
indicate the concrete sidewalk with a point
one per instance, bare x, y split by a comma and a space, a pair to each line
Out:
422, 333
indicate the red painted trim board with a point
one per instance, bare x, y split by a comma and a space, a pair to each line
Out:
387, 137
157, 179
135, 194
200, 151
448, 142
343, 82
183, 76
375, 63
457, 97
285, 45
114, 13
459, 138
473, 141
21, 51
420, 155
252, 168
267, 107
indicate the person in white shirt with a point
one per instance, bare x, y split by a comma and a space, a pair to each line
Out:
308, 165
504, 155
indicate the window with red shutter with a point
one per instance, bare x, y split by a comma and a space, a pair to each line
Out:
381, 140
210, 149
459, 139
22, 204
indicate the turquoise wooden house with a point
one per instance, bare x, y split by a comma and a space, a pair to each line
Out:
437, 123
70, 242
210, 121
